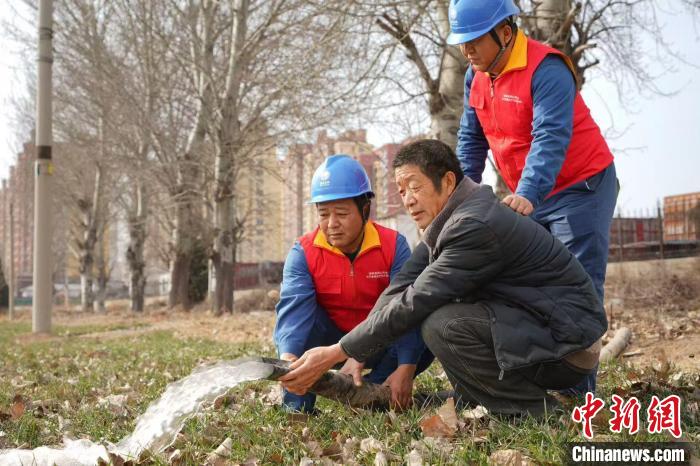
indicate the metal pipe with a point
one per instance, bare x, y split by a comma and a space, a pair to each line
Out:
339, 387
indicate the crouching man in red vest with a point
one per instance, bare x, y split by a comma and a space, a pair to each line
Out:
333, 277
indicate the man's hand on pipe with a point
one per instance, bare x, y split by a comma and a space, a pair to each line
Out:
354, 369
306, 370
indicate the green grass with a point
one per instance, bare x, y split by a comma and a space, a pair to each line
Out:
69, 374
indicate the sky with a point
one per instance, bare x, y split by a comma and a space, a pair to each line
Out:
11, 85
657, 152
666, 130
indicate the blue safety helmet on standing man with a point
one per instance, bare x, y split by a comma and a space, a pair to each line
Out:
339, 177
471, 19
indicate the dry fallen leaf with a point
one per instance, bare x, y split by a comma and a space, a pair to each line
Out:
175, 458
380, 459
19, 383
219, 457
371, 445
305, 433
475, 414
443, 424
224, 401
274, 396
17, 407
660, 364
448, 414
432, 445
506, 458
349, 448
115, 403
414, 458
276, 458
434, 426
314, 448
333, 450
219, 461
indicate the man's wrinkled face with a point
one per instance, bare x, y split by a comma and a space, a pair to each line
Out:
418, 194
341, 222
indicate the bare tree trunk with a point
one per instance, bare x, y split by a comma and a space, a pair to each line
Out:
550, 15
187, 217
90, 217
66, 294
552, 23
447, 104
100, 227
134, 254
184, 244
446, 91
102, 275
224, 256
87, 296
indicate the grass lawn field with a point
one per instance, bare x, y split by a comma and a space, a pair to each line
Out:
69, 385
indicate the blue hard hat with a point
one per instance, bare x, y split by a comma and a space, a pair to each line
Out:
339, 177
471, 19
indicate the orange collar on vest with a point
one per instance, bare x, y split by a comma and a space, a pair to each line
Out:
518, 56
371, 240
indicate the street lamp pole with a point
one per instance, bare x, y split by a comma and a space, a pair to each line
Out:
43, 281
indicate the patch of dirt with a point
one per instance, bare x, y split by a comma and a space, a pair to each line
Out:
677, 337
660, 302
254, 326
29, 338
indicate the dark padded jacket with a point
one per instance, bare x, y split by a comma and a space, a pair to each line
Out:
542, 303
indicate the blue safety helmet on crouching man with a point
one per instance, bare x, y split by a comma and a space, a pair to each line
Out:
471, 19
342, 177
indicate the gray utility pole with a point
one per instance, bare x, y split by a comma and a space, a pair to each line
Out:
11, 284
43, 281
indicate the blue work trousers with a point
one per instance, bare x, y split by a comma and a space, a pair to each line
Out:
382, 364
580, 217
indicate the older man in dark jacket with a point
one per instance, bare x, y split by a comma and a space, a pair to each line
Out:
503, 305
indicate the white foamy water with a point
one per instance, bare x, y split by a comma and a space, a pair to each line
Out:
75, 453
156, 428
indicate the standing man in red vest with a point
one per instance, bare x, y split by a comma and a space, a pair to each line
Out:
333, 277
522, 103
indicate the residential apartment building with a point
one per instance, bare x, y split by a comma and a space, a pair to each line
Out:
17, 192
260, 202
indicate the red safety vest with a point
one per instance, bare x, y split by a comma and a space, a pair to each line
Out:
504, 108
348, 291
